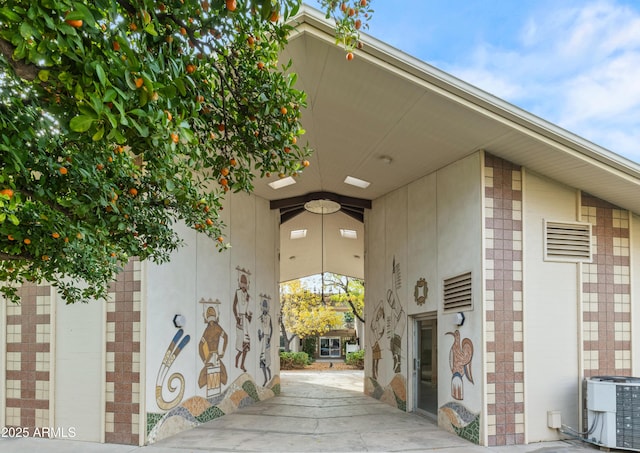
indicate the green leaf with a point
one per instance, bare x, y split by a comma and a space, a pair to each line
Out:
13, 219
151, 29
9, 15
81, 123
43, 75
99, 134
3, 217
102, 77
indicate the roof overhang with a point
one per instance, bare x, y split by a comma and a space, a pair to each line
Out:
389, 118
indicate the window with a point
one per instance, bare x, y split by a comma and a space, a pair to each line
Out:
329, 347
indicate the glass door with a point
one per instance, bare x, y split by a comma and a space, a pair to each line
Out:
329, 347
427, 366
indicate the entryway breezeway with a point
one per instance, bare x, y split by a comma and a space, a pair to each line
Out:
321, 411
317, 411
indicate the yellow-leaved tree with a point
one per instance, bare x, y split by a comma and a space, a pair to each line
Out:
304, 313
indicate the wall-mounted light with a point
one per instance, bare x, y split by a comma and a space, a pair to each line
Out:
460, 319
179, 321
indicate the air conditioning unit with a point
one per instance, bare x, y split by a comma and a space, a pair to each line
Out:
613, 412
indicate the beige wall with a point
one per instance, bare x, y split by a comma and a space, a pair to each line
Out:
79, 369
551, 313
424, 228
198, 271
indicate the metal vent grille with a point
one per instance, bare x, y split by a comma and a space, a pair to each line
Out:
628, 416
457, 293
567, 241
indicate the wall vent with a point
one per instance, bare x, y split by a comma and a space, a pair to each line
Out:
567, 241
457, 293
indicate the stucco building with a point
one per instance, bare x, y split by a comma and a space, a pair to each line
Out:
500, 255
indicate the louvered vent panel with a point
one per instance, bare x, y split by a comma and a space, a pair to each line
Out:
457, 293
568, 241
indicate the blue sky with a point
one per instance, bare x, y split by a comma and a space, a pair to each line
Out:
575, 63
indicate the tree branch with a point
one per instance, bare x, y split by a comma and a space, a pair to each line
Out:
25, 71
8, 257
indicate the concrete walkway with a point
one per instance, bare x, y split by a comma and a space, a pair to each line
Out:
322, 411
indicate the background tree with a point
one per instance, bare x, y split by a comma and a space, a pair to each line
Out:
304, 313
349, 291
119, 118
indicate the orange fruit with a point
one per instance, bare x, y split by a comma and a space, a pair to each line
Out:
74, 23
175, 138
169, 115
343, 7
274, 16
63, 170
116, 46
10, 237
27, 241
99, 167
283, 110
224, 171
183, 31
349, 56
231, 5
363, 2
351, 12
294, 140
287, 149
224, 182
220, 239
305, 163
139, 82
55, 235
233, 162
358, 24
209, 222
205, 5
251, 41
260, 65
119, 149
133, 191
79, 236
191, 68
45, 257
221, 127
7, 192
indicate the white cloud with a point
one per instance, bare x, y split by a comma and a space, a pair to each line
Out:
578, 67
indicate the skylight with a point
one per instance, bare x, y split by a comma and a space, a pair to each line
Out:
298, 234
280, 183
348, 234
357, 182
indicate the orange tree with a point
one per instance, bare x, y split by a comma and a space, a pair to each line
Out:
119, 118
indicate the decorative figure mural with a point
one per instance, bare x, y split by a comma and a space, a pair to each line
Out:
243, 317
421, 291
397, 320
169, 357
265, 332
460, 357
456, 418
212, 347
377, 331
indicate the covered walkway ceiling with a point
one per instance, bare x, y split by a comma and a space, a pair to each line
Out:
389, 119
